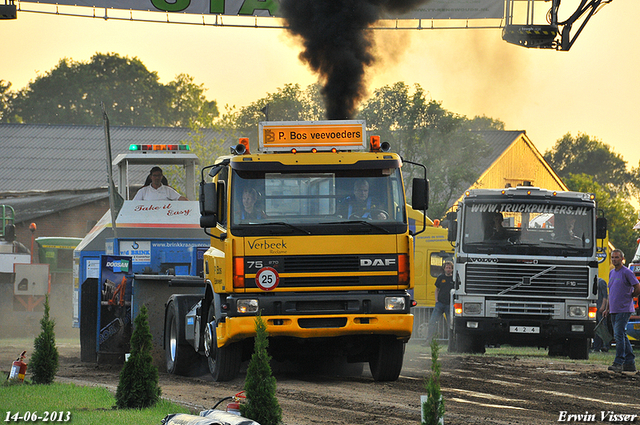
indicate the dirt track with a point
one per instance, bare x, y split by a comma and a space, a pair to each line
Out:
488, 389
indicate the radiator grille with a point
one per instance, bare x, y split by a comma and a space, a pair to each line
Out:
527, 280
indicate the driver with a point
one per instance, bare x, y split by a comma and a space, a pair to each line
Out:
361, 205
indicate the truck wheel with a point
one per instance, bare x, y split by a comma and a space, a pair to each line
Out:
386, 363
578, 349
468, 344
452, 347
181, 358
224, 362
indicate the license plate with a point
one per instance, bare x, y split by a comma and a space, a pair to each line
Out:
524, 329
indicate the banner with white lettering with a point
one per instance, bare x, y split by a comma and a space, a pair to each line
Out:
433, 9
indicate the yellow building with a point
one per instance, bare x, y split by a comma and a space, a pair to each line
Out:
515, 161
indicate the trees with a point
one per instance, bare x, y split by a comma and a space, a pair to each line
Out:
572, 155
620, 214
71, 93
44, 362
422, 131
608, 177
138, 385
260, 385
288, 103
5, 98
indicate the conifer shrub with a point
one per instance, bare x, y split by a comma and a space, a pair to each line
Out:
44, 361
260, 385
433, 408
138, 385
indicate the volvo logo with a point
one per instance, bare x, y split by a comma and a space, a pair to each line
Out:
483, 260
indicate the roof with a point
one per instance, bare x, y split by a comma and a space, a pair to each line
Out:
40, 157
498, 141
28, 208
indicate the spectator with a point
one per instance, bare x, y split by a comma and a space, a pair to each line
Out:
623, 288
444, 284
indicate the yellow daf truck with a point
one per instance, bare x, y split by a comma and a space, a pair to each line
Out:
311, 232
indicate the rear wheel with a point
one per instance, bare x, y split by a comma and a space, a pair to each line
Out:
386, 363
578, 348
180, 357
224, 362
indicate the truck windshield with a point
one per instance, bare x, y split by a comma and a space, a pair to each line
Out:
358, 201
531, 228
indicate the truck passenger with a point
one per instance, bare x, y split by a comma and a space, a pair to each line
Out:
250, 210
156, 190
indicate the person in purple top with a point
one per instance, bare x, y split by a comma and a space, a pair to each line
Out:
623, 288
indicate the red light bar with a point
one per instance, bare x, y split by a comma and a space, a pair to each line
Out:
145, 148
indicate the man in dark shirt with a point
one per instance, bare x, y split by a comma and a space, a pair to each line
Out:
444, 285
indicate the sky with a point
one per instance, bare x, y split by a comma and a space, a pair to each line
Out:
592, 89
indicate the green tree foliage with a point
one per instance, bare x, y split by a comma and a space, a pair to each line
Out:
620, 214
260, 386
71, 93
573, 155
433, 408
587, 164
44, 362
189, 107
289, 103
5, 98
138, 385
424, 132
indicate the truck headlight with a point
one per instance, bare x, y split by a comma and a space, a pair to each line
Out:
472, 308
577, 311
247, 306
394, 303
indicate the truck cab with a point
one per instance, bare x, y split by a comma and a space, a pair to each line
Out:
311, 233
526, 270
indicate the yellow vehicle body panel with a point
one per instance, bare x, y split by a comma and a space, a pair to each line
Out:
239, 328
431, 248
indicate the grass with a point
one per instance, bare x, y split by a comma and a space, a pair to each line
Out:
86, 405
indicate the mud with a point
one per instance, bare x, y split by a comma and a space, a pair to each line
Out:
494, 388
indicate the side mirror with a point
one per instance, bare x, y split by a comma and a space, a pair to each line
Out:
452, 229
208, 199
420, 194
601, 228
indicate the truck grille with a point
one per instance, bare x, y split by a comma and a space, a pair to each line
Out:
530, 280
523, 309
321, 263
320, 271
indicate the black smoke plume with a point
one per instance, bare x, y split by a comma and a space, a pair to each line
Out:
337, 44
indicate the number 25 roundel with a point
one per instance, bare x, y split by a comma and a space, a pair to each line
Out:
267, 278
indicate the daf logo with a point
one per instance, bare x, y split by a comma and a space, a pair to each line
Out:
366, 262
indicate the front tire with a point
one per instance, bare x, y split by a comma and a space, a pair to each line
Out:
180, 357
224, 362
386, 363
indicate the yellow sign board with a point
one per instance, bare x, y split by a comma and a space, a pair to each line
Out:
283, 136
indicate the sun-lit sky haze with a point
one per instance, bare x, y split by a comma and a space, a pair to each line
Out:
592, 89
